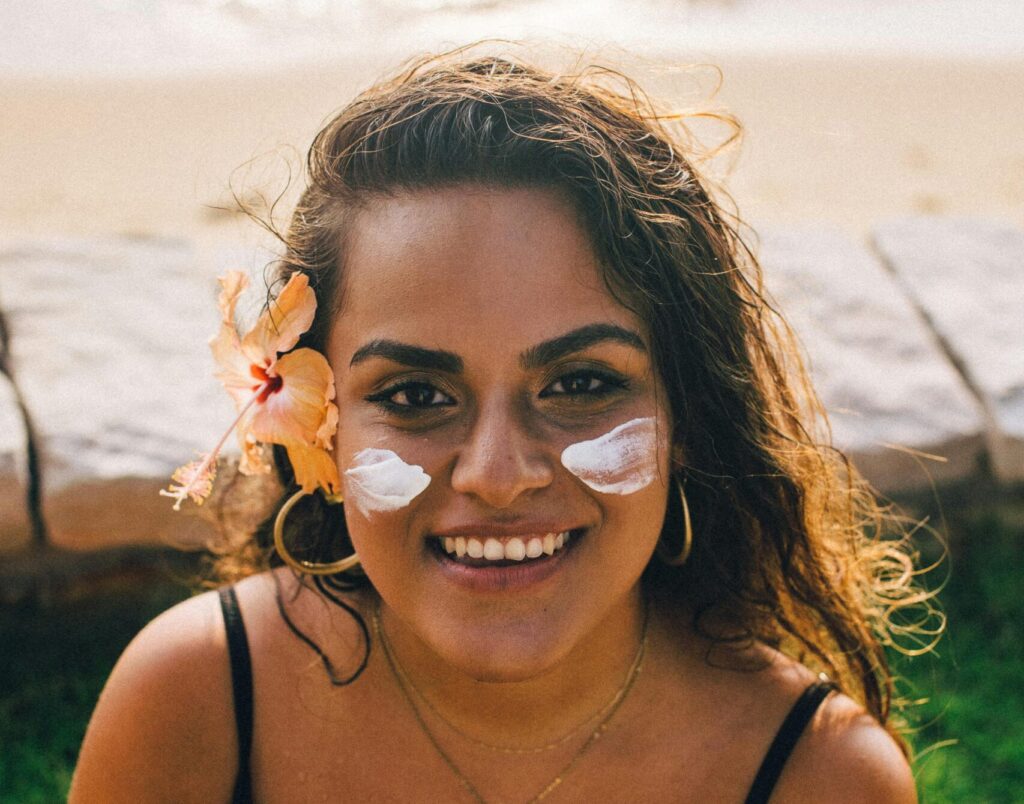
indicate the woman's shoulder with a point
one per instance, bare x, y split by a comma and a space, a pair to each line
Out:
842, 754
163, 726
846, 756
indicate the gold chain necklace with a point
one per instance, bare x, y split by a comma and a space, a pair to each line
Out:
509, 749
404, 682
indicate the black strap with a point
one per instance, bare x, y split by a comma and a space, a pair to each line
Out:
241, 684
785, 740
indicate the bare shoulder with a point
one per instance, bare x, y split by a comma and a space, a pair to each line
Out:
164, 726
843, 755
846, 757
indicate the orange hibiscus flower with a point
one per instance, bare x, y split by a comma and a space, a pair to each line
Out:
282, 399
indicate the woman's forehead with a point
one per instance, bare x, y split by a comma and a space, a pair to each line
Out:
465, 263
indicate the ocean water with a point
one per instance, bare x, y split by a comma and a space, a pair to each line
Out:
159, 37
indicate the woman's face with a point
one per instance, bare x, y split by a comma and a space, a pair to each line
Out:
476, 340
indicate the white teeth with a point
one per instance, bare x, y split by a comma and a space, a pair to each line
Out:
515, 549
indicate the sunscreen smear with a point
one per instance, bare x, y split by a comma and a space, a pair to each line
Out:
621, 461
378, 480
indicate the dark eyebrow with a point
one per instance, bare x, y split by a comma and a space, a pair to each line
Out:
408, 355
578, 340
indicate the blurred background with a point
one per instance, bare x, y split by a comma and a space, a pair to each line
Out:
882, 168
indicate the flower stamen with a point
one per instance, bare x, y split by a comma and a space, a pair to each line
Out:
197, 480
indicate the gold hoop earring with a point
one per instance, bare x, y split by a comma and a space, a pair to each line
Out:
309, 567
679, 558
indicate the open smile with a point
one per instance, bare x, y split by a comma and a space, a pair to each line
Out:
491, 563
489, 549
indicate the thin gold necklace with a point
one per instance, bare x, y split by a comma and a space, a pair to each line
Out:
511, 749
404, 682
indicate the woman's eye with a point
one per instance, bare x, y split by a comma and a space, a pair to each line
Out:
582, 383
412, 395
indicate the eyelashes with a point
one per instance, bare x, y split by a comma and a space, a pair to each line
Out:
416, 397
410, 397
583, 383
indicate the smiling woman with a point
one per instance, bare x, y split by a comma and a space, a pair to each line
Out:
558, 528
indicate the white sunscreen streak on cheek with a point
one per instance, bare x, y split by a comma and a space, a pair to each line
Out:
619, 462
378, 480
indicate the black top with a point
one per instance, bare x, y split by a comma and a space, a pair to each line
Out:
785, 740
241, 681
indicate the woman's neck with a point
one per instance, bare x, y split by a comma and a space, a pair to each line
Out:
576, 691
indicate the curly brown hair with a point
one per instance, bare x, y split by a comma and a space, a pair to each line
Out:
790, 546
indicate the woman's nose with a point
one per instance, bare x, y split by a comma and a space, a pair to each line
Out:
500, 459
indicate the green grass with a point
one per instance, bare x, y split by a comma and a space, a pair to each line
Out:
971, 725
54, 660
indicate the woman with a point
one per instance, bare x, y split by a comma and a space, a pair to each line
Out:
544, 437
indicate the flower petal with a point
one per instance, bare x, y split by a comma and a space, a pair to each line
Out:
233, 365
314, 468
325, 435
231, 286
280, 326
300, 412
255, 456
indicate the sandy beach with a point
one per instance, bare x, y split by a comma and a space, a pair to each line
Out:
846, 139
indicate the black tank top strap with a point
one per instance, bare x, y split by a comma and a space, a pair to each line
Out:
241, 684
785, 740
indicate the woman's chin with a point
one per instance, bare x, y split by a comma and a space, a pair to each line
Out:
502, 659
